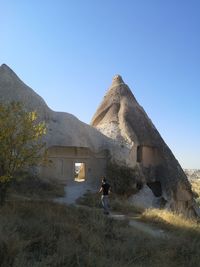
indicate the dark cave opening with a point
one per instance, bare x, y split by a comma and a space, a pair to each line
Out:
155, 188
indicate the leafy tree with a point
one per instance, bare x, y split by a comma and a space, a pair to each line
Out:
21, 142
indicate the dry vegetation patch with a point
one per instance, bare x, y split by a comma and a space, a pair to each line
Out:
117, 203
177, 224
49, 234
32, 187
41, 234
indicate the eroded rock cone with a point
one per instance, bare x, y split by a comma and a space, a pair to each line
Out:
120, 117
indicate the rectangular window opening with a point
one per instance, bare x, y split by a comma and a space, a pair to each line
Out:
80, 174
139, 154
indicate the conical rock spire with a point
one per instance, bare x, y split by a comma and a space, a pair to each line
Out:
117, 80
121, 118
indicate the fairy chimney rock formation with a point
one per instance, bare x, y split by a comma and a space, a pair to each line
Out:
122, 128
121, 118
108, 118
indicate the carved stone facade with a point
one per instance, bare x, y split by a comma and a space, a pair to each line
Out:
61, 164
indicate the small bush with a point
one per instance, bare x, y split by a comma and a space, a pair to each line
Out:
35, 187
123, 180
89, 199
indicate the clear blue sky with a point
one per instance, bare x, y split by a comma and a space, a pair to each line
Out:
68, 52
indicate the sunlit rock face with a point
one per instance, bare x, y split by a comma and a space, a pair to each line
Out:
64, 129
121, 118
13, 89
68, 139
109, 117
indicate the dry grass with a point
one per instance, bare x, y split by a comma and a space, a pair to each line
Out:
117, 203
35, 188
41, 234
184, 233
48, 234
169, 219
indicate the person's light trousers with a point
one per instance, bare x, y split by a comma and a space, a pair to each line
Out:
105, 203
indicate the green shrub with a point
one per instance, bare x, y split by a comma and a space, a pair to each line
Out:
123, 180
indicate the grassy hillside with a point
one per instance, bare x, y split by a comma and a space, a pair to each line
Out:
42, 233
49, 234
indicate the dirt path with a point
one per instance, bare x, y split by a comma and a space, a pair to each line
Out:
150, 230
75, 190
134, 221
141, 226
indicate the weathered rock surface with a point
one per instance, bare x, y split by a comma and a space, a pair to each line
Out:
122, 127
144, 199
63, 129
120, 117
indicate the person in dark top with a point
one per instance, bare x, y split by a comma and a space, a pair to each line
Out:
105, 190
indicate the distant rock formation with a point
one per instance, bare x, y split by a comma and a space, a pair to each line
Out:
192, 174
121, 118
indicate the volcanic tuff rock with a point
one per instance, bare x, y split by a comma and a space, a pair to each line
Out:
63, 129
126, 132
120, 117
